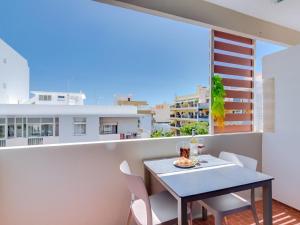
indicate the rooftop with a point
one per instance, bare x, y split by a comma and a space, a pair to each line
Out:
33, 110
80, 94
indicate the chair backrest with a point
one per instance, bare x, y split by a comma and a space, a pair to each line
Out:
137, 188
230, 157
240, 160
248, 162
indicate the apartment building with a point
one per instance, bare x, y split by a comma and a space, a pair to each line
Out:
14, 76
57, 117
162, 113
190, 108
161, 116
56, 98
143, 109
26, 124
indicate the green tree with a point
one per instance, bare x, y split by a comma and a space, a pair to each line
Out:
161, 133
218, 95
199, 127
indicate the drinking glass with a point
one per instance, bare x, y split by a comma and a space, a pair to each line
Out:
183, 149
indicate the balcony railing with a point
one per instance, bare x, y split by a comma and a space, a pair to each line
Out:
186, 117
185, 107
2, 143
190, 106
35, 141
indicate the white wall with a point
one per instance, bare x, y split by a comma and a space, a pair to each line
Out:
16, 142
11, 142
162, 113
69, 98
125, 125
281, 149
14, 76
146, 122
66, 129
109, 137
162, 126
80, 184
50, 140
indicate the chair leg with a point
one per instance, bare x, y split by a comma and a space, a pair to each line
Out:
204, 213
129, 217
253, 209
226, 220
218, 219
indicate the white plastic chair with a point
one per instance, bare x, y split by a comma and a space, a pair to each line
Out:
222, 206
156, 209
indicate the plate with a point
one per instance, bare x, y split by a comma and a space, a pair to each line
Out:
184, 166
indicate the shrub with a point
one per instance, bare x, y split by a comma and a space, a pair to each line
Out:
199, 127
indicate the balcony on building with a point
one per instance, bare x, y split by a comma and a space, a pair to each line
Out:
47, 178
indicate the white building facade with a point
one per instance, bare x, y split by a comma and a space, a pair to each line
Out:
57, 117
40, 124
14, 76
56, 98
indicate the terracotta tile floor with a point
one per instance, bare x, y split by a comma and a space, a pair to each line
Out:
282, 215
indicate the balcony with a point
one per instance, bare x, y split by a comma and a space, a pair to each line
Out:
49, 179
184, 108
65, 184
35, 141
80, 183
192, 118
187, 118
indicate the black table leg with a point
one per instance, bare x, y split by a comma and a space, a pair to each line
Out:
267, 203
182, 212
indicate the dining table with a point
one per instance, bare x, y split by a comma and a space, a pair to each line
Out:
209, 178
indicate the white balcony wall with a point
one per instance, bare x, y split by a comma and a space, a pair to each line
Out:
16, 142
281, 147
50, 140
109, 137
14, 76
80, 184
24, 141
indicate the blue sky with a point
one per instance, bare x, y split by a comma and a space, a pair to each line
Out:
104, 50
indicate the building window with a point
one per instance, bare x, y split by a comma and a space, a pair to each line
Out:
45, 97
56, 126
19, 127
2, 127
109, 129
79, 124
34, 130
47, 127
47, 130
40, 127
10, 127
60, 98
24, 128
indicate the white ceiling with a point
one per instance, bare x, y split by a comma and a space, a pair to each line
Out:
285, 13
